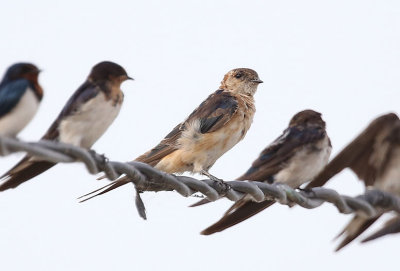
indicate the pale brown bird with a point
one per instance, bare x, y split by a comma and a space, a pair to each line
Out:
374, 156
86, 116
218, 124
294, 158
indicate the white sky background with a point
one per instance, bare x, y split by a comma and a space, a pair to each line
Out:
337, 57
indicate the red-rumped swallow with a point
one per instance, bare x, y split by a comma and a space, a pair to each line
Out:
85, 117
294, 158
217, 125
213, 128
20, 96
374, 156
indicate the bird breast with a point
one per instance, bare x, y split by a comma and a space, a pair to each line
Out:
305, 164
203, 150
12, 123
89, 123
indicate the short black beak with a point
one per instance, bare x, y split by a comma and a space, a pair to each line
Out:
257, 81
129, 78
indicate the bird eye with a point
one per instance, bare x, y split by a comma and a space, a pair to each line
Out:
238, 75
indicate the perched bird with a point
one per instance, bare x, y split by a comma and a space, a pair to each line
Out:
85, 117
217, 125
294, 158
374, 156
20, 96
213, 128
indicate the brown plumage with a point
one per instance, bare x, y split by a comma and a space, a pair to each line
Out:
221, 121
293, 158
374, 156
392, 226
359, 155
33, 76
85, 117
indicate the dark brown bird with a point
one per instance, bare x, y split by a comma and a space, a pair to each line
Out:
85, 117
294, 158
218, 124
374, 156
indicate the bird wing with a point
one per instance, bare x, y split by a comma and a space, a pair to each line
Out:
165, 147
274, 157
244, 209
354, 229
392, 226
358, 155
83, 94
25, 170
212, 114
30, 167
216, 111
11, 93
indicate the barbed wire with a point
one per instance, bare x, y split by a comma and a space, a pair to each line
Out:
147, 178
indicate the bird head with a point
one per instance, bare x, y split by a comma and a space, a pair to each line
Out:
307, 118
21, 70
241, 81
108, 71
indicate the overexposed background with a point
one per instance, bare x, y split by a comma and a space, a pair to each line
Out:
337, 57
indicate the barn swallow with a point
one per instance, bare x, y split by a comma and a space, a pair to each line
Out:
294, 158
85, 117
374, 156
213, 128
20, 96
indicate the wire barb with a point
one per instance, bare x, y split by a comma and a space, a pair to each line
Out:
146, 178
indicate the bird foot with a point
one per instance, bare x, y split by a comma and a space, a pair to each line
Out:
221, 184
305, 190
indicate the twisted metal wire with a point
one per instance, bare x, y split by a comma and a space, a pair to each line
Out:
147, 178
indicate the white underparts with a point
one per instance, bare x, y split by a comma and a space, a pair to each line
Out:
16, 120
86, 126
305, 164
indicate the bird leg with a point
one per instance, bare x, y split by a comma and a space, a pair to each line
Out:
223, 185
212, 177
305, 190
